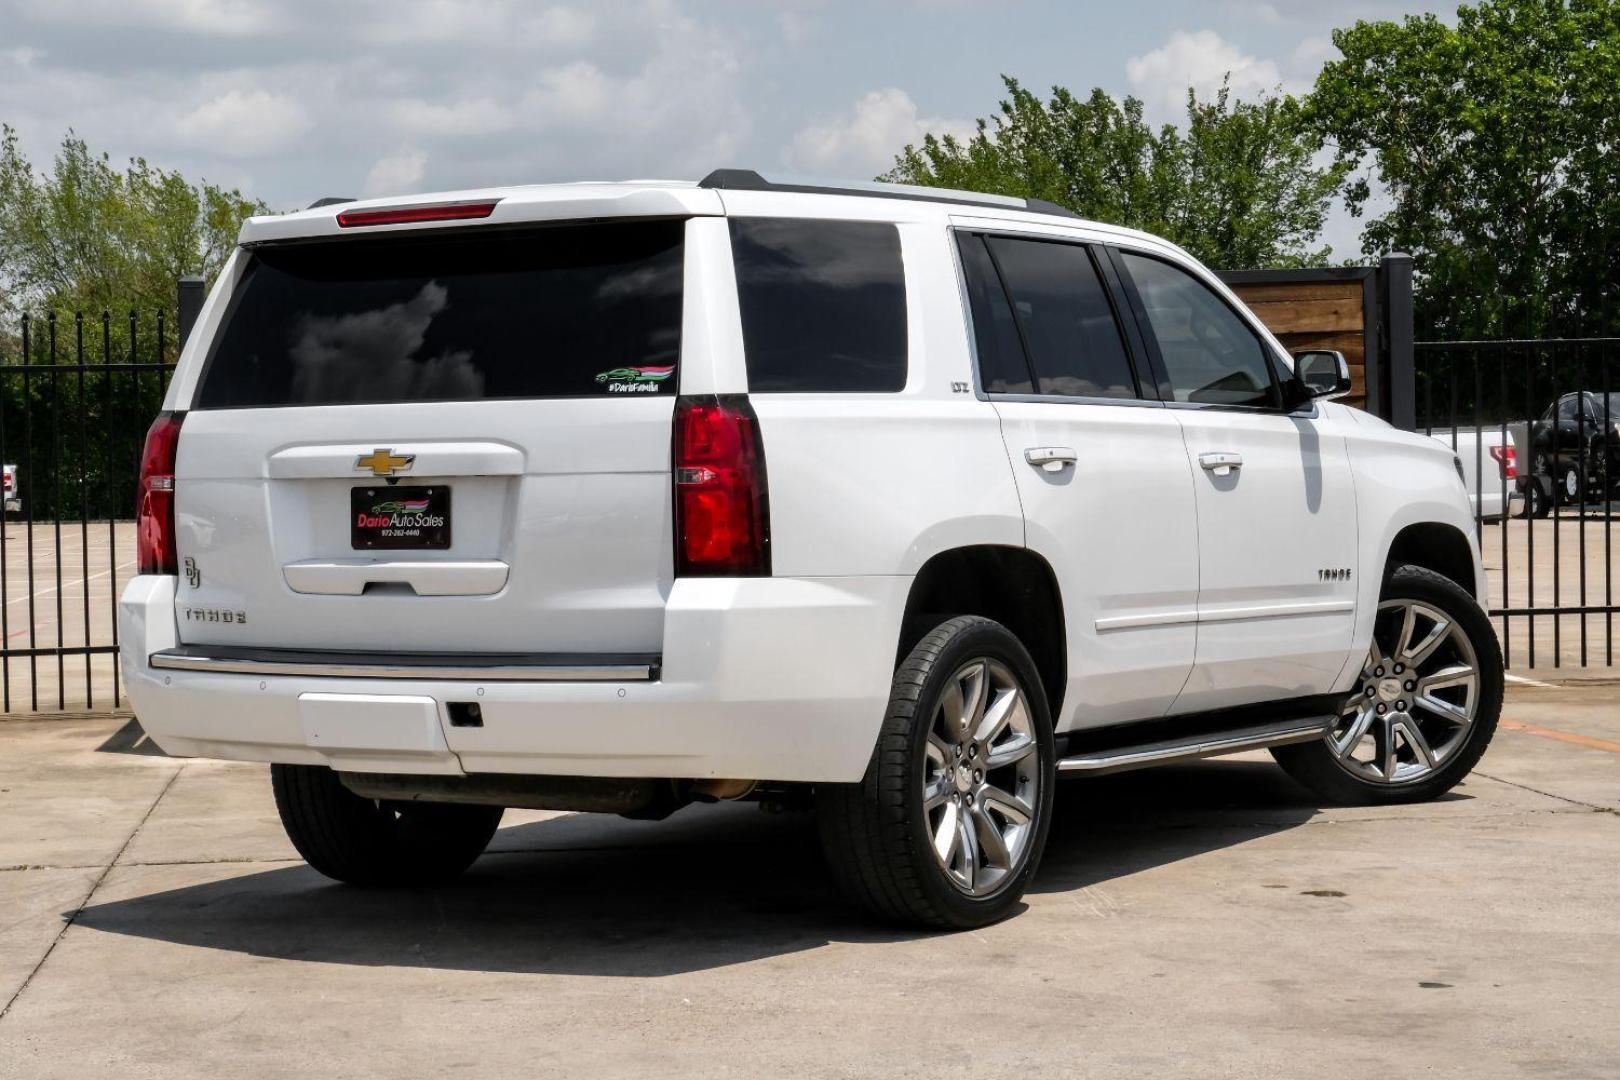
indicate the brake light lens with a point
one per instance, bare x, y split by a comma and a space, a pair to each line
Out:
154, 498
1508, 458
415, 215
722, 519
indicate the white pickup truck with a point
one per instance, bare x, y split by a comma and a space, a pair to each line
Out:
1490, 470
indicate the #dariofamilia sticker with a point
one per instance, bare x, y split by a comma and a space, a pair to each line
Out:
645, 379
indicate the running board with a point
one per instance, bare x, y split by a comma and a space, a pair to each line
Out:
1109, 759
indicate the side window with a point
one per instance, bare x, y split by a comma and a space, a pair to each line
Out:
1210, 355
1002, 367
823, 305
1075, 347
1567, 407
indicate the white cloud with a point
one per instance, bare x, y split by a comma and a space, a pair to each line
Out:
245, 123
481, 116
1199, 59
865, 140
225, 17
508, 24
397, 173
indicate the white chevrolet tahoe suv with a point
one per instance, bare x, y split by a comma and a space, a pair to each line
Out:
897, 503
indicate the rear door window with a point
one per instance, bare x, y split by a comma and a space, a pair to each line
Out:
823, 305
1074, 343
1003, 368
561, 311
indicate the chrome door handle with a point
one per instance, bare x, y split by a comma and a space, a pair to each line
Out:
1222, 463
1050, 458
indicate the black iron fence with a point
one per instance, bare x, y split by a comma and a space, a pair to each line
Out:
1545, 513
77, 394
76, 397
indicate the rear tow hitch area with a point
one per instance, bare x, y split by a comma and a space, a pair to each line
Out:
643, 799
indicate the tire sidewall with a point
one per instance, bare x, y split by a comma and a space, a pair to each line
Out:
979, 637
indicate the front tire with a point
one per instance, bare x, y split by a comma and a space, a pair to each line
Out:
948, 825
372, 842
1425, 707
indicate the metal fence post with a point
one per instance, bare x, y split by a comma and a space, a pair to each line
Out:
191, 301
1395, 277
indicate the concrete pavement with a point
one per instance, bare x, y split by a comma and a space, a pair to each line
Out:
1202, 921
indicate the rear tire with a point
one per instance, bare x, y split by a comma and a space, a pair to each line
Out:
965, 766
370, 842
1425, 708
1537, 503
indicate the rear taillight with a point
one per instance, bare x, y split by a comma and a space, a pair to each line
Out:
154, 498
722, 520
1508, 458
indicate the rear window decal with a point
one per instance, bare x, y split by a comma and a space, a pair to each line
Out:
636, 380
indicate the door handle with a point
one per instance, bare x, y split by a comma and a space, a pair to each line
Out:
1222, 463
1050, 458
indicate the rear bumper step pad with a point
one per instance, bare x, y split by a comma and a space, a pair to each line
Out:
477, 667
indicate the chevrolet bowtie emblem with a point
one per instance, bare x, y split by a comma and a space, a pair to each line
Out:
385, 462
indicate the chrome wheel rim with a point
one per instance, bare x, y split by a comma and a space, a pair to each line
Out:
981, 778
1572, 485
1416, 701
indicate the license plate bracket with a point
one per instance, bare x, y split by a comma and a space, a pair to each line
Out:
383, 518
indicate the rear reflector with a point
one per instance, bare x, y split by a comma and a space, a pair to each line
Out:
415, 215
722, 518
1508, 458
154, 498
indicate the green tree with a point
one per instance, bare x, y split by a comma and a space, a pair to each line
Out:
88, 237
1236, 185
1494, 144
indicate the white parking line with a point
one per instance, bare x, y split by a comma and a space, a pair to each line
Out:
1528, 682
68, 585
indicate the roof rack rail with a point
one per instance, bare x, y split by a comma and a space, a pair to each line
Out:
330, 200
749, 180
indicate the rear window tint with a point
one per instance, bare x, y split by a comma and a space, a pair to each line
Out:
563, 311
823, 305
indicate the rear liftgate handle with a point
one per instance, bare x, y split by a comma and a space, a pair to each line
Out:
1050, 458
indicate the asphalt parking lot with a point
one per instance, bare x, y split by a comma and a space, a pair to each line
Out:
1202, 921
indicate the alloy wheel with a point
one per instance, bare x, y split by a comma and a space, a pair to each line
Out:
1417, 698
981, 777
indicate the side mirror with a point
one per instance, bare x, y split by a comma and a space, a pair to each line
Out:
1322, 374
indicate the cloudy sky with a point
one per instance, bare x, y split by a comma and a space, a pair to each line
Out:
292, 100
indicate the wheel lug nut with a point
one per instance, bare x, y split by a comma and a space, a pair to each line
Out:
1380, 708
969, 799
1371, 690
1411, 685
1400, 706
1378, 672
1399, 668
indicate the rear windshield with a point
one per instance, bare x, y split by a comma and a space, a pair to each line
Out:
563, 311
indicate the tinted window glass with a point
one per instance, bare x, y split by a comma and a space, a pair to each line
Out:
1209, 353
823, 304
1074, 343
1002, 368
555, 312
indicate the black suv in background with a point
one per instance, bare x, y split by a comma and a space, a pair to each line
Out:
1575, 447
